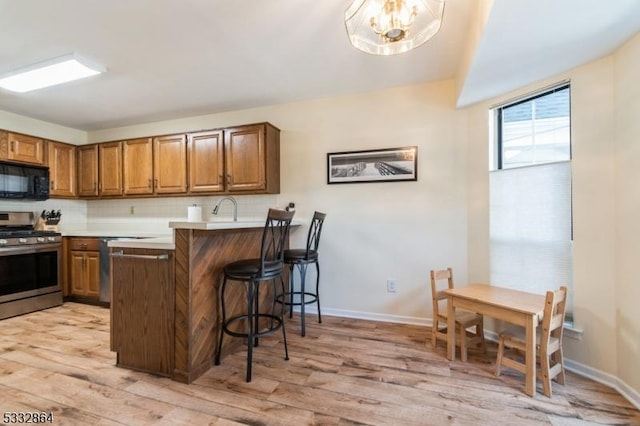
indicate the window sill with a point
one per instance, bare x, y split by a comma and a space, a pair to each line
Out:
572, 332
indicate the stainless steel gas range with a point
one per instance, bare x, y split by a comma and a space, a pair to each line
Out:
29, 265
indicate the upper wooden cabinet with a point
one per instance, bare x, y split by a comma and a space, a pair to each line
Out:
110, 168
22, 148
170, 164
61, 159
252, 159
237, 160
138, 166
88, 171
206, 161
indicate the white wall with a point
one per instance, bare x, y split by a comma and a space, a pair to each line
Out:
627, 114
606, 154
373, 231
43, 129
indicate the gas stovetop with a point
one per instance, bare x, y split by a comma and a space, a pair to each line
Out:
16, 229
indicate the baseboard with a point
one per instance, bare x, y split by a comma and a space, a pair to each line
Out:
607, 379
367, 316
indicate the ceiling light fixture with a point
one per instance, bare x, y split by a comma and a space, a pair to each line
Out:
49, 73
388, 27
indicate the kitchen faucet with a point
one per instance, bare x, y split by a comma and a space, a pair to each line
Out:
235, 207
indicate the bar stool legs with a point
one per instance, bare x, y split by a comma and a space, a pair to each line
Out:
315, 297
252, 317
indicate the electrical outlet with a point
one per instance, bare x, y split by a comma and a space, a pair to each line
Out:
391, 285
132, 210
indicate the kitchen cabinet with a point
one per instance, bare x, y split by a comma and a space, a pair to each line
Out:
4, 145
61, 159
137, 166
24, 149
87, 170
206, 161
110, 169
84, 267
142, 309
252, 159
170, 164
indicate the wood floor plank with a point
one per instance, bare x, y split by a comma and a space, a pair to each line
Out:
344, 372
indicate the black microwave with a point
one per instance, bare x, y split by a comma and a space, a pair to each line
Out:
23, 182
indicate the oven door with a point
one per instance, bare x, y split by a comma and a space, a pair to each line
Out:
29, 271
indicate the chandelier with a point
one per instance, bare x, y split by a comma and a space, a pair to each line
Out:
388, 27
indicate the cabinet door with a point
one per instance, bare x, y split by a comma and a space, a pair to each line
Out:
88, 171
61, 159
142, 310
110, 169
206, 162
245, 158
4, 145
92, 271
77, 272
170, 164
26, 149
138, 166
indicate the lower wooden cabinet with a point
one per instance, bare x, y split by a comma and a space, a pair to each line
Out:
83, 260
142, 309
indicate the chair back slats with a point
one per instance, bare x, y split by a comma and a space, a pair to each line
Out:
274, 237
315, 229
437, 292
553, 317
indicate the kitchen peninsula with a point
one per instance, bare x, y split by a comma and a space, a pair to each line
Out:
165, 295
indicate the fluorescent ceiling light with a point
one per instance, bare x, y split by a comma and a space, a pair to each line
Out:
49, 73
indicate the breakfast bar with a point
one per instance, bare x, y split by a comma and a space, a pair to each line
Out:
165, 295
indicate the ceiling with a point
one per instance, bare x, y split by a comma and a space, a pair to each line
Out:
169, 59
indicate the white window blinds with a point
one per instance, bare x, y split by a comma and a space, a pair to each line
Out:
530, 228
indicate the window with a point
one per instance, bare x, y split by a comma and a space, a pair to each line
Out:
530, 195
535, 130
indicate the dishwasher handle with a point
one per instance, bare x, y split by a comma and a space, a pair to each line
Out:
140, 256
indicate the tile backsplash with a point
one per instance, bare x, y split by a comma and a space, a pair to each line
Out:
144, 214
74, 212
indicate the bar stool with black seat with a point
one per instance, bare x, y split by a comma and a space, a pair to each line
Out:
253, 272
302, 258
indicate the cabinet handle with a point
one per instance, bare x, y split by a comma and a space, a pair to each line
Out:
229, 180
149, 184
94, 186
52, 185
13, 146
156, 183
140, 256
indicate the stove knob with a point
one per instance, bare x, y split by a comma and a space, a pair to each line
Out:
52, 239
3, 242
22, 240
40, 239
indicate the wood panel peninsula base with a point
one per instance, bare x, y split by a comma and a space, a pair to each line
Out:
167, 321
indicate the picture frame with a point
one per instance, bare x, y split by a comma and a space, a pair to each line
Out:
374, 165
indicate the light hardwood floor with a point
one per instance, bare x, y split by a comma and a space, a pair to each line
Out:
344, 372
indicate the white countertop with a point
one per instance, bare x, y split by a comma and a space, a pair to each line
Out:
158, 243
115, 233
224, 224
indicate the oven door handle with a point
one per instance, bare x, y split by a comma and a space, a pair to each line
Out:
30, 249
140, 256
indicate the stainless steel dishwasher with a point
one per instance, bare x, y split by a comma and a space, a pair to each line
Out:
105, 278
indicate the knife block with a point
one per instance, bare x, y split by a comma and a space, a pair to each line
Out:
41, 225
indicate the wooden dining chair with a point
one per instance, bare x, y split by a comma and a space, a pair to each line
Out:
548, 344
464, 319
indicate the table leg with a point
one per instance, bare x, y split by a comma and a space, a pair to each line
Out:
451, 329
530, 356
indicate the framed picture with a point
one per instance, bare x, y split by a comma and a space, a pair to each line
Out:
376, 165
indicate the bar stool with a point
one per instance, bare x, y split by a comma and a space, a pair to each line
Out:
302, 258
252, 272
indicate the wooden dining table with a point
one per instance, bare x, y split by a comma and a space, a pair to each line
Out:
514, 306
